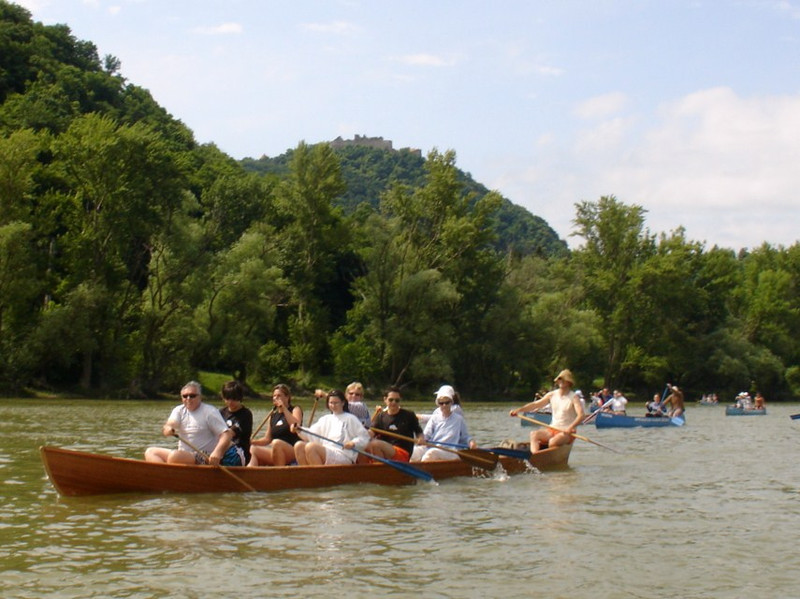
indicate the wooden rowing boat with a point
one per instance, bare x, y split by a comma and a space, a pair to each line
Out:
737, 411
609, 420
79, 473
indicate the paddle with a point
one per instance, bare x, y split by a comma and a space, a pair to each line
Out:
402, 467
472, 456
263, 422
576, 435
795, 416
244, 483
313, 410
520, 454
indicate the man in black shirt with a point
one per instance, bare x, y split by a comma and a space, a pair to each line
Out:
398, 421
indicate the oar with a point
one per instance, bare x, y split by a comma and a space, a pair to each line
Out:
795, 416
576, 435
402, 467
313, 411
263, 422
520, 454
244, 483
472, 456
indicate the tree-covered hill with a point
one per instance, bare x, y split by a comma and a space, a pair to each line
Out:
131, 258
369, 172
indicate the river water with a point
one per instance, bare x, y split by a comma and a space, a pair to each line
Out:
705, 510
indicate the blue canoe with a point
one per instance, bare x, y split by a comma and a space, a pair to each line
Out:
608, 420
734, 411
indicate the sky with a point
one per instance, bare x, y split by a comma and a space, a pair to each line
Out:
687, 108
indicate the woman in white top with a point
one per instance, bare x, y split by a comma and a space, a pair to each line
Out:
567, 414
343, 433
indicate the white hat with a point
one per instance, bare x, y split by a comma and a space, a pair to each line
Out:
446, 391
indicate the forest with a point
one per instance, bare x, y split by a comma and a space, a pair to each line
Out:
133, 258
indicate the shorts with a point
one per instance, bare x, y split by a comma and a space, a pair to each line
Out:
233, 457
334, 455
401, 455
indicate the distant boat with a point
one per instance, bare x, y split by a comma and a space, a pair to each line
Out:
705, 402
736, 411
609, 420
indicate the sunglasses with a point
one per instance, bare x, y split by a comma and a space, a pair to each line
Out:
444, 403
393, 399
189, 395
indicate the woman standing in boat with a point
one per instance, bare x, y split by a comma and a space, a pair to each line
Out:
567, 414
200, 424
276, 447
342, 433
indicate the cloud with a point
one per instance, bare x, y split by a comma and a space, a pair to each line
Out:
601, 106
334, 27
427, 60
222, 29
719, 164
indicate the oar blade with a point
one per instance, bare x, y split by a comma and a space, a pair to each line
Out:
795, 416
678, 421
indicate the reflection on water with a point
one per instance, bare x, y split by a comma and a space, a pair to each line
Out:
706, 510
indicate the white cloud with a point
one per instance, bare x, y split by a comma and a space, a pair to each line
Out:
710, 154
222, 29
335, 27
427, 60
601, 106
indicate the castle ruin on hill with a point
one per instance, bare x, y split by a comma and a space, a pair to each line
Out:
377, 143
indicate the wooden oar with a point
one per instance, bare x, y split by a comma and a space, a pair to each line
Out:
263, 422
472, 456
244, 483
401, 466
520, 454
313, 411
576, 435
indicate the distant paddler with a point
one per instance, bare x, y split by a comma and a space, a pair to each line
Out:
567, 414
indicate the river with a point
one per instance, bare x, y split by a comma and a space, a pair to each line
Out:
704, 510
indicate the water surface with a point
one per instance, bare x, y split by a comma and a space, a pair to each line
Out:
705, 510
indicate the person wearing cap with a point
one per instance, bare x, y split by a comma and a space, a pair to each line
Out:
446, 426
675, 401
342, 433
567, 414
394, 419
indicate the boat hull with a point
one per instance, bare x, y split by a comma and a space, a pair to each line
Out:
607, 420
76, 473
734, 411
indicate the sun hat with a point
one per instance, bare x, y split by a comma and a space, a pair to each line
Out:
446, 391
566, 375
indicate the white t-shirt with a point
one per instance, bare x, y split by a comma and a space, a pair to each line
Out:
201, 428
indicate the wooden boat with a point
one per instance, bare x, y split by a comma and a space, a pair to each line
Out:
543, 417
79, 473
737, 411
609, 420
